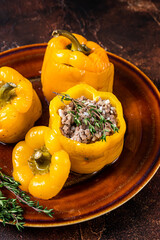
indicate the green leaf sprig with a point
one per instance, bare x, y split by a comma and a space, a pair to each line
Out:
93, 112
10, 210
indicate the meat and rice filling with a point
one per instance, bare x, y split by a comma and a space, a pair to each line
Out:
88, 121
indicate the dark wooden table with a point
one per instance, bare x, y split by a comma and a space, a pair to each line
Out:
128, 28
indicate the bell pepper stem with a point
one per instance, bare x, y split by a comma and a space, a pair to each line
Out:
76, 46
40, 161
7, 91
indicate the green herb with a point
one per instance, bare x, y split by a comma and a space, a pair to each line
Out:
92, 129
115, 129
75, 117
93, 112
103, 138
10, 210
86, 120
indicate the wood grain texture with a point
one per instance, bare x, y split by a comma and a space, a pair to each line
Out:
128, 28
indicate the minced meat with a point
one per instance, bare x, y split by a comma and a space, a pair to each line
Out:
82, 125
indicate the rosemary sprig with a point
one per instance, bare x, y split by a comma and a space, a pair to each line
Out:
93, 112
10, 210
103, 138
66, 97
75, 117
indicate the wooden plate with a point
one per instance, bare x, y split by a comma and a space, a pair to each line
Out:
88, 196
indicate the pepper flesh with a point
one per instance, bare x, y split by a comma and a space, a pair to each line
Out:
43, 184
88, 158
20, 106
63, 68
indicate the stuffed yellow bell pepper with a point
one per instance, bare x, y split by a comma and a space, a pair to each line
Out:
20, 106
88, 158
70, 59
40, 164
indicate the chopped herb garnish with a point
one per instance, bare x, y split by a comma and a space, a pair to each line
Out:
94, 119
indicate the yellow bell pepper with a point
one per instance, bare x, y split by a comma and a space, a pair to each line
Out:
20, 106
70, 59
40, 164
88, 158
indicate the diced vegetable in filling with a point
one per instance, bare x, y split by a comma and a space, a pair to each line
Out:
88, 121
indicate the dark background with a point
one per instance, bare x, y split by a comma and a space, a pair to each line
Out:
128, 28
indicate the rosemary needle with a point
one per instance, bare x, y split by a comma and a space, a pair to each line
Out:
10, 210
